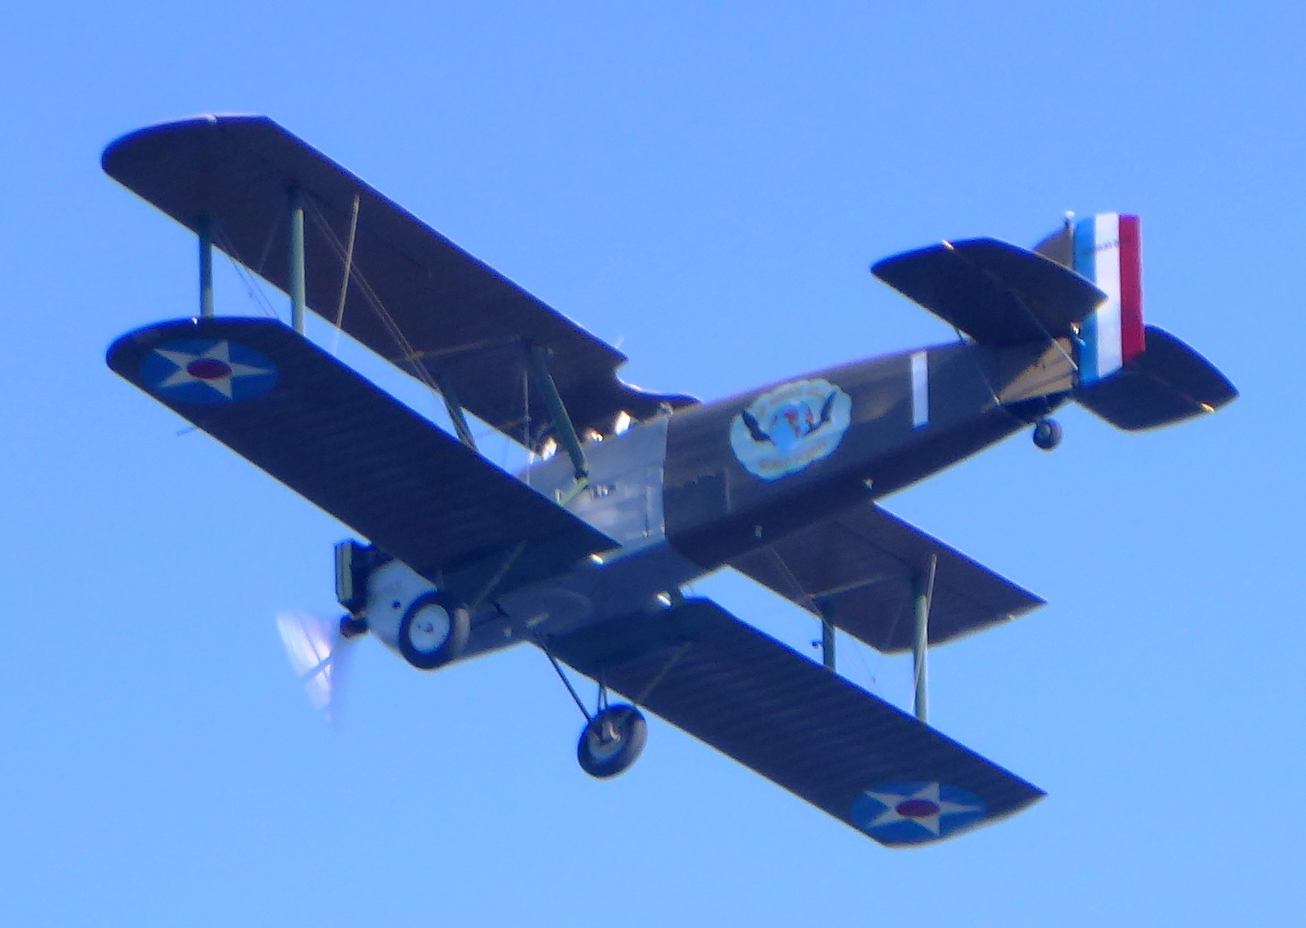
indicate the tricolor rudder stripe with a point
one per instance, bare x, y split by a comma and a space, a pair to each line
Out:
1108, 251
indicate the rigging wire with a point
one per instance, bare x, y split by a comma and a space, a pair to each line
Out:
410, 355
267, 247
414, 359
255, 292
872, 684
979, 368
344, 283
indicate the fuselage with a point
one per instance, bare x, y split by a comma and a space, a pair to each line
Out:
684, 493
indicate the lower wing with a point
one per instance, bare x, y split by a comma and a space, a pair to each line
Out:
811, 731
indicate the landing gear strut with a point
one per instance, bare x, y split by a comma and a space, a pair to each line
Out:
613, 737
1047, 434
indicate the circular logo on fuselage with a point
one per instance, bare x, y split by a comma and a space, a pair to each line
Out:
786, 429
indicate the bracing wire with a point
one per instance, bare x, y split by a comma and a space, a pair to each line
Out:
410, 355
979, 368
804, 597
370, 297
267, 247
808, 602
252, 288
344, 283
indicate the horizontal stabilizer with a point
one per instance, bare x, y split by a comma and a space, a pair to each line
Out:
333, 437
860, 566
814, 733
1169, 382
997, 293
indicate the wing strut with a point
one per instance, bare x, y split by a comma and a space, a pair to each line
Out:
297, 299
206, 267
455, 410
562, 426
923, 592
826, 608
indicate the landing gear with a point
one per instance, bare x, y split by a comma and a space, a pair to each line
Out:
1047, 434
613, 737
612, 741
433, 630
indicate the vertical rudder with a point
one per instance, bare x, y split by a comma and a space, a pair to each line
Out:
1108, 251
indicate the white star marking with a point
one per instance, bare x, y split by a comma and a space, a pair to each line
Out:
221, 351
930, 793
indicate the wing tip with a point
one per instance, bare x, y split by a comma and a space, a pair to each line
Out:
117, 154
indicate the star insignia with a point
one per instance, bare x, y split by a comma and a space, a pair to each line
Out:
914, 813
208, 372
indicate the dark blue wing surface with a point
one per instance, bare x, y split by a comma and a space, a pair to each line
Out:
414, 297
859, 566
811, 731
339, 441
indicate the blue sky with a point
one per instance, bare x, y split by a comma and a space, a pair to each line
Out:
705, 184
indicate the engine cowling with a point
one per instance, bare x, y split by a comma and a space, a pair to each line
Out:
403, 609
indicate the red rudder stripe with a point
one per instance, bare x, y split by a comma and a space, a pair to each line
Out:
1132, 341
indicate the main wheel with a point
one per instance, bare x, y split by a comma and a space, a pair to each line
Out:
1047, 434
612, 741
433, 630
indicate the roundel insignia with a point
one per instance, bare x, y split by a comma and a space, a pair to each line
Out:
207, 371
916, 813
786, 429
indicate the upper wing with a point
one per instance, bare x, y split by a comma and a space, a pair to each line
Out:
861, 563
807, 729
334, 438
997, 293
463, 322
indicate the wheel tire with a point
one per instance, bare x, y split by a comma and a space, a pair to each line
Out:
433, 630
1047, 434
612, 741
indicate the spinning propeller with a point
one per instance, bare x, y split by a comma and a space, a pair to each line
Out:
318, 653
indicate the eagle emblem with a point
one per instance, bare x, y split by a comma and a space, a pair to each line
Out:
786, 429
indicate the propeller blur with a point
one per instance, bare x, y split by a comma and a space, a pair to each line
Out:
315, 648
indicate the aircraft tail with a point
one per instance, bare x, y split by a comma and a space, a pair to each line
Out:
1107, 250
1133, 375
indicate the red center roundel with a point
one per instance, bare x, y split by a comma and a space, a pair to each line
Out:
917, 808
208, 369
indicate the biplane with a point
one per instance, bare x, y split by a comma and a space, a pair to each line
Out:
631, 495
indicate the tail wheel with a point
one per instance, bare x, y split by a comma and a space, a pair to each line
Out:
612, 741
433, 630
